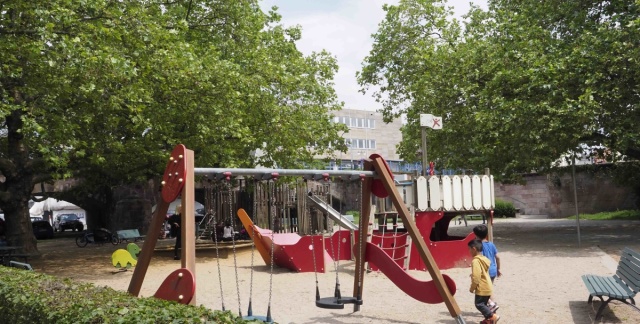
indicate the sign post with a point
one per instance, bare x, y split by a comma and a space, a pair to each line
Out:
433, 122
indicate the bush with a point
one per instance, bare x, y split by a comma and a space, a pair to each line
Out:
504, 209
30, 297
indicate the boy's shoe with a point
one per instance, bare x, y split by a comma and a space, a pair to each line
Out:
494, 319
494, 308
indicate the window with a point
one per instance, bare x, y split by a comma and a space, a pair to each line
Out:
356, 122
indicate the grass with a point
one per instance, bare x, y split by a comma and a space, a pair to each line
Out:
614, 215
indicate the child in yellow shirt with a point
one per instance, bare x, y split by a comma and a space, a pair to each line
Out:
481, 282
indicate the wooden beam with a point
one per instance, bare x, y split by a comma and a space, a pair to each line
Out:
188, 226
147, 248
410, 225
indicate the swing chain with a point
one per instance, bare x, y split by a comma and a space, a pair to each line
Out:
215, 239
253, 246
273, 228
233, 242
361, 240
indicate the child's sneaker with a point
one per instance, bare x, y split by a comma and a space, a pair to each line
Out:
494, 319
494, 308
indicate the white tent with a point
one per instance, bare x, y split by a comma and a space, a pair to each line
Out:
51, 204
176, 203
56, 207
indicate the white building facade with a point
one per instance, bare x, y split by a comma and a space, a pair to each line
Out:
368, 134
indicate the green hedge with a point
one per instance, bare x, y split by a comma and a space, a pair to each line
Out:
31, 297
504, 209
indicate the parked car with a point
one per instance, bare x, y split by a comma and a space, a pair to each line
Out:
68, 221
42, 229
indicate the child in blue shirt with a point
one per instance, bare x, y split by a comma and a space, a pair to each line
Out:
490, 251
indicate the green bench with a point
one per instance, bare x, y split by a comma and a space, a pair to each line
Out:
129, 235
622, 286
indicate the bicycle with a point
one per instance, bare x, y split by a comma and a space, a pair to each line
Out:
99, 236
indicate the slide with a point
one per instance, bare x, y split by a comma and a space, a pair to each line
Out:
290, 250
334, 214
257, 238
424, 291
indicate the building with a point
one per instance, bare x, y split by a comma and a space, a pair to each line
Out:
368, 134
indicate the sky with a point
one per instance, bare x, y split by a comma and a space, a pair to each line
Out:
344, 28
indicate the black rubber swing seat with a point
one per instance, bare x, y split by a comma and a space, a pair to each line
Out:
336, 302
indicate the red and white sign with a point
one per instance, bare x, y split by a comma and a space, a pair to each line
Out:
431, 121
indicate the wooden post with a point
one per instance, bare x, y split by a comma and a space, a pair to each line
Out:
188, 226
489, 215
410, 225
178, 173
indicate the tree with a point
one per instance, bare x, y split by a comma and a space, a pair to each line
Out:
518, 85
102, 90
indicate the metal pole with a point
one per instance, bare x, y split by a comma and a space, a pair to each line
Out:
268, 173
423, 135
575, 195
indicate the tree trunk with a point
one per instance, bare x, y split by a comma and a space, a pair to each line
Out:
18, 185
19, 231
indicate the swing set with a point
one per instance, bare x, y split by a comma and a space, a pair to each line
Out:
376, 179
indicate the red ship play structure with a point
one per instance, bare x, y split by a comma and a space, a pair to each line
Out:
422, 243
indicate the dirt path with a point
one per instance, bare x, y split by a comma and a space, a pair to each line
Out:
542, 265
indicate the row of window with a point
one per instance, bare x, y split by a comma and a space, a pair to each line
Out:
356, 122
357, 143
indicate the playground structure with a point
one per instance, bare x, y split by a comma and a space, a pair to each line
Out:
291, 250
435, 200
376, 180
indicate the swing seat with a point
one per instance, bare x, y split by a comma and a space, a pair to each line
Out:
336, 303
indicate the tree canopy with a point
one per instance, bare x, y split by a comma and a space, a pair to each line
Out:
101, 90
518, 85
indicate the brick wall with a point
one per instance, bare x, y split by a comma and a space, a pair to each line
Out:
552, 194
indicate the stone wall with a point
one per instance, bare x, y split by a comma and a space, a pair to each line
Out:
551, 195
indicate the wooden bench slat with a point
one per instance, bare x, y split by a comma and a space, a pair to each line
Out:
629, 279
601, 288
632, 264
629, 269
594, 290
631, 252
629, 291
617, 290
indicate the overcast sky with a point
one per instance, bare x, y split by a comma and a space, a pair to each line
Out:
344, 28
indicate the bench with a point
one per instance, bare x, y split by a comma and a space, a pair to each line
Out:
463, 218
129, 234
622, 286
23, 257
20, 265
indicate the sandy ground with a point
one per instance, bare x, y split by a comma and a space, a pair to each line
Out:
541, 266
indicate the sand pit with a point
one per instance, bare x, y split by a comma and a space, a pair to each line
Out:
541, 263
